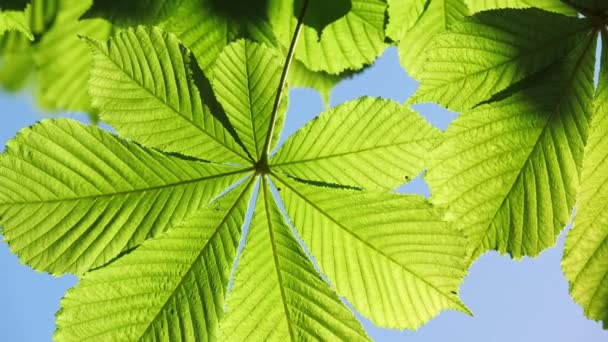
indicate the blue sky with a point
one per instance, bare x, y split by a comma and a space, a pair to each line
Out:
512, 300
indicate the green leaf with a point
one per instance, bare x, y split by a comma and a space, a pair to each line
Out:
202, 29
438, 16
73, 197
64, 62
15, 21
509, 45
17, 64
557, 6
172, 287
349, 43
132, 12
43, 14
402, 15
204, 26
359, 237
507, 172
321, 13
143, 85
245, 79
369, 143
586, 250
15, 71
278, 295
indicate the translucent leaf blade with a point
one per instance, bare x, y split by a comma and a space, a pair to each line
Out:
509, 45
246, 78
402, 15
63, 61
349, 43
556, 6
392, 256
507, 172
73, 197
143, 85
277, 293
585, 261
321, 13
172, 286
437, 18
369, 143
15, 21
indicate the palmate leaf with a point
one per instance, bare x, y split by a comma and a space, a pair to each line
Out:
509, 45
586, 250
136, 223
73, 197
358, 237
368, 143
143, 85
277, 294
173, 286
436, 18
507, 171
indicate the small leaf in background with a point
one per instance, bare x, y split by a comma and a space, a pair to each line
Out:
132, 12
413, 41
320, 13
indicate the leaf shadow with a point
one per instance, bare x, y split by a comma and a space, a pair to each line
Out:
208, 97
323, 184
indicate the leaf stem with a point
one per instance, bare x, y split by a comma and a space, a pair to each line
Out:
277, 101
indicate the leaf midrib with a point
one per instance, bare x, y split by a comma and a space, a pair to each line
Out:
276, 258
390, 258
127, 192
342, 154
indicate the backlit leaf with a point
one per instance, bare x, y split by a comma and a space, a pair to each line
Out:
508, 171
